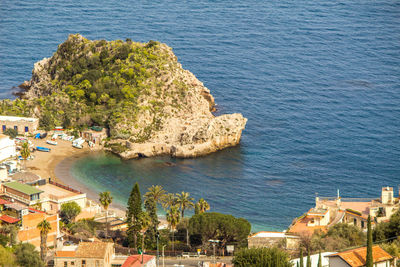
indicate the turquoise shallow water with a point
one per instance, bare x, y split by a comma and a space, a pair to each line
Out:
319, 82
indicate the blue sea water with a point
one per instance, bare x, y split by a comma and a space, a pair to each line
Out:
318, 80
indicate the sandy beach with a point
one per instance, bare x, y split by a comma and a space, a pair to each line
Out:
56, 165
44, 163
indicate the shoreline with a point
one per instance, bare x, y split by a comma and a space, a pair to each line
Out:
61, 171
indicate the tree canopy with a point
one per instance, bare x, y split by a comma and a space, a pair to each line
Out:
218, 226
388, 230
27, 255
261, 257
69, 211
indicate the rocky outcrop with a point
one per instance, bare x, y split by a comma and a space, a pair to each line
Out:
169, 113
197, 139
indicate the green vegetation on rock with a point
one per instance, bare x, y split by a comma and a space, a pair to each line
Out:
102, 83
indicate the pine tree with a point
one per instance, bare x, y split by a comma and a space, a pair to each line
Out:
319, 260
370, 259
134, 213
301, 258
308, 259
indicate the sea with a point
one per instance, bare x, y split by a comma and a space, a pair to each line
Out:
319, 82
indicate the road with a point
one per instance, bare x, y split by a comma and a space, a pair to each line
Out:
191, 262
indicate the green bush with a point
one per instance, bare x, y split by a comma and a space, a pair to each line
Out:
12, 133
261, 257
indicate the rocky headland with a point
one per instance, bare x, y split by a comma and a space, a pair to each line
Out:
138, 91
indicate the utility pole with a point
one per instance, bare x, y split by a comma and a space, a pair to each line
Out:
214, 242
163, 256
158, 257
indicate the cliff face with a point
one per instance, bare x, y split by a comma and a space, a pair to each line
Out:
150, 104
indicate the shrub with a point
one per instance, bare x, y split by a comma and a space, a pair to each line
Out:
261, 257
12, 133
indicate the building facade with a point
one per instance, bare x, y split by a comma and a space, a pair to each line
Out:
87, 254
23, 125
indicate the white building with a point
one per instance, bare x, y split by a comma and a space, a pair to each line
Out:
314, 259
7, 147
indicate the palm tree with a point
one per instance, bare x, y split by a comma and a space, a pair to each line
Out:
12, 231
203, 205
25, 152
105, 199
168, 200
156, 192
184, 201
44, 227
173, 218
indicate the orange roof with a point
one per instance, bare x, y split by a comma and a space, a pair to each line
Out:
135, 260
65, 254
3, 201
357, 257
356, 215
362, 207
93, 249
300, 226
8, 219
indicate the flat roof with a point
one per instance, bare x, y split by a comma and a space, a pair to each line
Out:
24, 188
50, 189
16, 118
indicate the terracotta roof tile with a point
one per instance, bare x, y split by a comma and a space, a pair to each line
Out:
8, 219
92, 249
65, 254
135, 260
300, 226
3, 201
357, 257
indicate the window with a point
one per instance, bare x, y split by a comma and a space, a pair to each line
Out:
65, 263
362, 224
83, 263
16, 127
355, 221
4, 128
26, 129
72, 263
97, 263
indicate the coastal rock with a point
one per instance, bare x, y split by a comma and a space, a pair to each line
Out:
150, 104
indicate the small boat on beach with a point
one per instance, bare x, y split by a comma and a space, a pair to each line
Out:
51, 142
43, 149
77, 143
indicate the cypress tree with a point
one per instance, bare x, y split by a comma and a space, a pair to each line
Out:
151, 209
370, 259
297, 264
308, 259
134, 213
319, 259
301, 258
